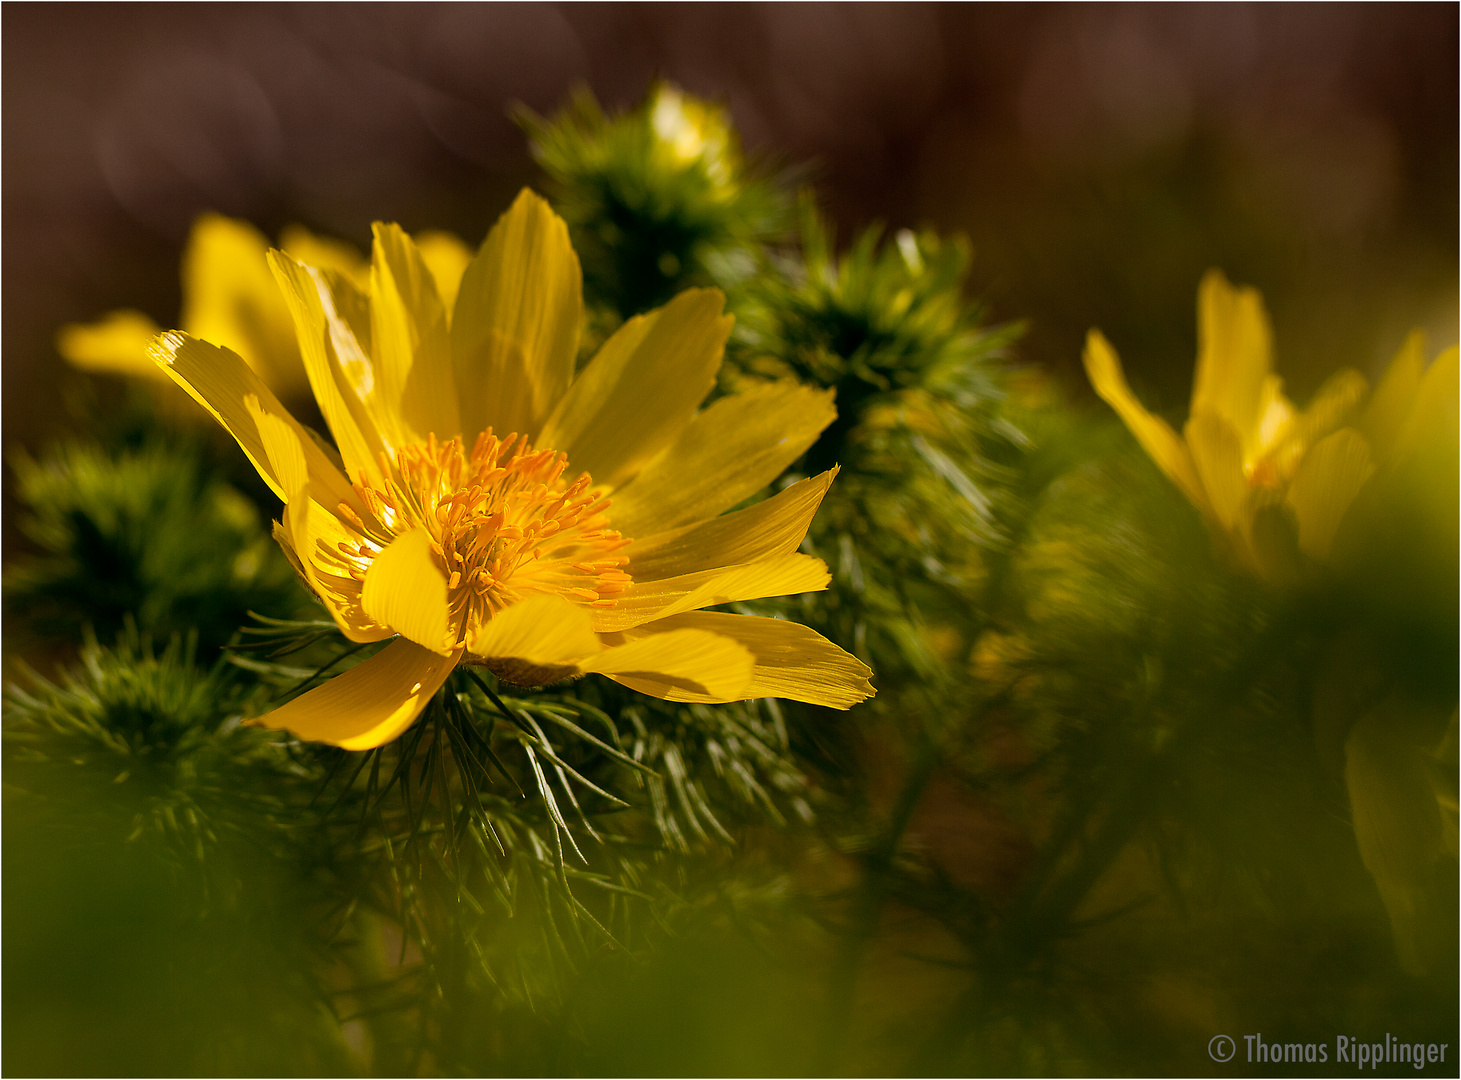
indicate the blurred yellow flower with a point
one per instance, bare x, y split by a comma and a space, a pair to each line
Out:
230, 299
687, 130
478, 547
1264, 475
1399, 537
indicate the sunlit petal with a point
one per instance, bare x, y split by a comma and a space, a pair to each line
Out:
727, 453
642, 388
682, 665
1432, 420
774, 526
283, 448
544, 630
514, 331
369, 705
224, 385
791, 660
410, 345
781, 575
1332, 406
338, 365
406, 590
326, 253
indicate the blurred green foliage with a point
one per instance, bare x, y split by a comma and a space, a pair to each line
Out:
146, 531
171, 879
1100, 811
656, 200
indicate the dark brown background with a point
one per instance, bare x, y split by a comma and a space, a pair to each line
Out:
1099, 157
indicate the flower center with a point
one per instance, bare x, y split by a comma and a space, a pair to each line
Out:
504, 523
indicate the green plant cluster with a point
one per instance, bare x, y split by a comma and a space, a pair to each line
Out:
657, 200
1099, 812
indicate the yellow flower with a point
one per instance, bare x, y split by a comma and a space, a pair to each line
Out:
487, 506
230, 299
1398, 538
1264, 475
688, 130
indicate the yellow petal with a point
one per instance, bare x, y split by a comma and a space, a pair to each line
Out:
682, 665
406, 590
1430, 427
515, 327
1217, 454
642, 388
1326, 482
1401, 830
1154, 434
1331, 407
774, 526
791, 660
223, 384
1234, 358
314, 536
728, 452
338, 365
409, 344
283, 447
1275, 415
543, 630
1392, 400
230, 299
370, 704
447, 258
117, 345
643, 601
326, 253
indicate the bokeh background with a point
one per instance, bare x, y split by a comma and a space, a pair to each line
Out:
1099, 157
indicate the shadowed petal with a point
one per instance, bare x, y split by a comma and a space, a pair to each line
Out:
1217, 453
114, 345
1234, 357
314, 536
447, 258
1391, 402
1327, 480
1155, 435
229, 297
